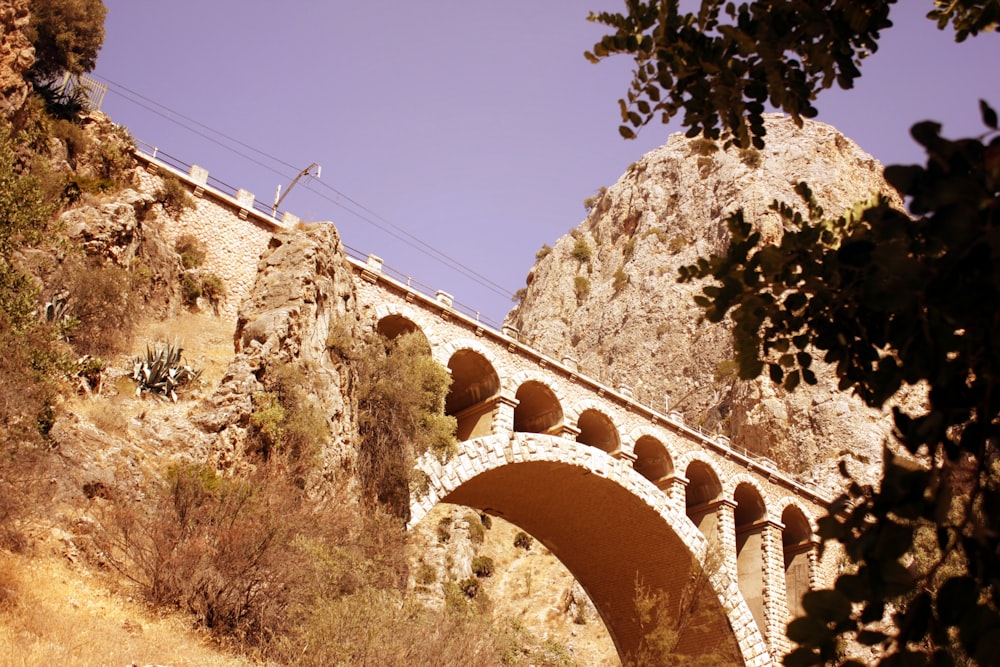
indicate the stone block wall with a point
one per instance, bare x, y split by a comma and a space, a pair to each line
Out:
233, 234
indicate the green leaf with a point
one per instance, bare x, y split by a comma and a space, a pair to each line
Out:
989, 114
826, 605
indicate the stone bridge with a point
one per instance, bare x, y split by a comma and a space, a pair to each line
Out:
623, 495
627, 497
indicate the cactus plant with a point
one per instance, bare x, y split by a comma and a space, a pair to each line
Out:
162, 371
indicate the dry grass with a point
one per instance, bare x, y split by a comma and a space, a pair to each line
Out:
207, 342
51, 615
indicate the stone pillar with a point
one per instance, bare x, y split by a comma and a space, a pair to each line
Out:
565, 431
676, 490
775, 603
503, 414
199, 175
726, 532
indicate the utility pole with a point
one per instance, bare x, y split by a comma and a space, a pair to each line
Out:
278, 197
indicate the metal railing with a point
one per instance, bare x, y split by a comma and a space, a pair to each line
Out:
176, 163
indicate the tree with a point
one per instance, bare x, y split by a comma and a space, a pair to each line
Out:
401, 392
66, 34
889, 299
721, 65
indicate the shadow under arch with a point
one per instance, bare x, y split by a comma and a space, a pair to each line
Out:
609, 526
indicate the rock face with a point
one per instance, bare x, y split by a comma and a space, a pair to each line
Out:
303, 285
607, 294
16, 55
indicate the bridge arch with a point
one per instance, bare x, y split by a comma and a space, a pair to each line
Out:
596, 427
750, 531
703, 500
798, 555
608, 526
538, 404
654, 459
475, 386
391, 320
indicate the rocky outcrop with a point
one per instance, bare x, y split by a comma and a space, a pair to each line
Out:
303, 288
607, 294
17, 55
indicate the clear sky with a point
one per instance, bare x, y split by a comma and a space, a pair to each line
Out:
476, 127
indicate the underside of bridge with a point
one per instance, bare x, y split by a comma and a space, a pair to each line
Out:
614, 544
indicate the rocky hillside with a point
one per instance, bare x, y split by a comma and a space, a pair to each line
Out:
607, 295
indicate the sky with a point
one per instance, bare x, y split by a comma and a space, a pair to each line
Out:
456, 137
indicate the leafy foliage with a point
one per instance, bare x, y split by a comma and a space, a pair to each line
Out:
721, 64
401, 392
581, 249
893, 300
67, 35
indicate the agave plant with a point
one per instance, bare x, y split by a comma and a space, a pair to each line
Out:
162, 371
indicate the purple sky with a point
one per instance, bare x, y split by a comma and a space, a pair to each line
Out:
476, 127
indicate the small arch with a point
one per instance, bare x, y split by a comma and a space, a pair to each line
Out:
750, 518
652, 460
394, 325
701, 497
538, 409
796, 544
474, 383
597, 430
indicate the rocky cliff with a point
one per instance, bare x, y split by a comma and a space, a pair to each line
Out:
606, 295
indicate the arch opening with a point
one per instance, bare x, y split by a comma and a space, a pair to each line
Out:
652, 461
538, 409
577, 513
391, 327
474, 386
797, 545
702, 496
597, 430
750, 521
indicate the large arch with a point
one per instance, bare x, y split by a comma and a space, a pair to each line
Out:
607, 525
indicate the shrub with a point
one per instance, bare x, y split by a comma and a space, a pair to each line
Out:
581, 287
519, 295
190, 289
213, 289
191, 250
751, 157
401, 392
444, 530
477, 533
174, 196
543, 252
523, 541
220, 549
581, 249
100, 299
595, 199
677, 244
287, 421
162, 371
67, 35
629, 248
482, 566
341, 339
620, 281
426, 575
470, 587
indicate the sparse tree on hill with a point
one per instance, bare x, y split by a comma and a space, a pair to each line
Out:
67, 35
890, 299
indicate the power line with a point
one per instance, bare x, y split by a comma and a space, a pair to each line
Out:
371, 218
